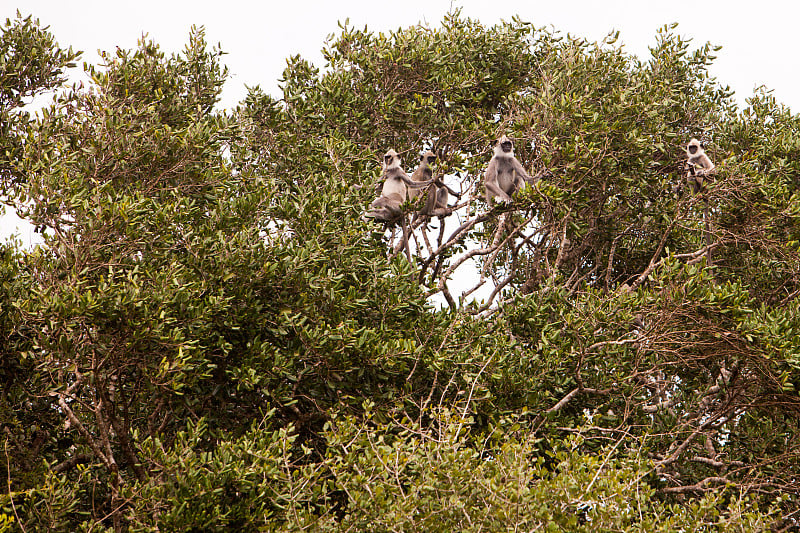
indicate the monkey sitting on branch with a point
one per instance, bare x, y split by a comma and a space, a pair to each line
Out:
437, 193
698, 166
387, 207
504, 175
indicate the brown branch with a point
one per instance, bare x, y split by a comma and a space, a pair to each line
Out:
612, 253
499, 287
491, 249
653, 262
650, 409
566, 399
715, 463
694, 257
562, 246
455, 236
700, 486
609, 343
685, 444
72, 462
81, 429
498, 234
423, 220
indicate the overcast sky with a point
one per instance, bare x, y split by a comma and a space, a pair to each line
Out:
759, 39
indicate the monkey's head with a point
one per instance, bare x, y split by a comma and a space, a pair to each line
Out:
428, 158
694, 148
391, 159
504, 146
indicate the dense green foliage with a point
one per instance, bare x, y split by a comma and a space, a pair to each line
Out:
211, 338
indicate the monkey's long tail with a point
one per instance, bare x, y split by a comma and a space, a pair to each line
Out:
709, 251
405, 238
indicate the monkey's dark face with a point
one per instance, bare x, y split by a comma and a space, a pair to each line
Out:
391, 159
693, 149
506, 146
428, 158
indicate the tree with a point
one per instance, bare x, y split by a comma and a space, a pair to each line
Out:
214, 339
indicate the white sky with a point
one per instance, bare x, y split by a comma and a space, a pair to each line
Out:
759, 39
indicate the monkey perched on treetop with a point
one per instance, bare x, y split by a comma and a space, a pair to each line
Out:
436, 200
504, 175
698, 165
396, 186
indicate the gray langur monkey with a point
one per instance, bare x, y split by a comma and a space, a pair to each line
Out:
504, 175
437, 193
698, 168
396, 186
423, 172
698, 165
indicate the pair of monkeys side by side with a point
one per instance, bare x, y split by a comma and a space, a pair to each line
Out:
503, 177
398, 188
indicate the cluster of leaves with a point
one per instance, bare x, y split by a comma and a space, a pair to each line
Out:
212, 338
30, 63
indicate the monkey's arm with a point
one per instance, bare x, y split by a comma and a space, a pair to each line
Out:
543, 174
415, 184
440, 183
706, 166
518, 168
701, 165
